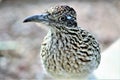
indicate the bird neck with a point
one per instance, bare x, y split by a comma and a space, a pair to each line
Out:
64, 33
63, 30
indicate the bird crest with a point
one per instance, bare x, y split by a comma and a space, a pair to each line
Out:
62, 10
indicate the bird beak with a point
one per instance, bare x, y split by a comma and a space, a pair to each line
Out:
37, 18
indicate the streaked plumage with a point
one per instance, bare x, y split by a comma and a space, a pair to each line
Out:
68, 51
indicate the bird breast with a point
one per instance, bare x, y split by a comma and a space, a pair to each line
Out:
69, 54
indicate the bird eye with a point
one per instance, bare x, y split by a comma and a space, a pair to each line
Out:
63, 18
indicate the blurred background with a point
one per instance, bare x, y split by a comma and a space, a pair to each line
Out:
20, 42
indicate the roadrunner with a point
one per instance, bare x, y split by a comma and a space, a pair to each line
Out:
68, 51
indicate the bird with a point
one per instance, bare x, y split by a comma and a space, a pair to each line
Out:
67, 51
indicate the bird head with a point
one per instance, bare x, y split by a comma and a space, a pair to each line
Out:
57, 17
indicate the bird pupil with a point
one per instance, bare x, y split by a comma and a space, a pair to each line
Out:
63, 18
